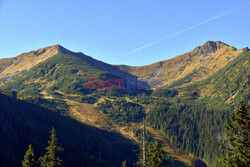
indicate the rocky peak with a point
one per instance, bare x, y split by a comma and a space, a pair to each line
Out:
207, 48
210, 47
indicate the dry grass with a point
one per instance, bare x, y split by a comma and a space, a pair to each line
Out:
176, 68
26, 61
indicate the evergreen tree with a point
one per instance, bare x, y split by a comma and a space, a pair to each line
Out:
124, 163
238, 149
155, 155
50, 159
29, 158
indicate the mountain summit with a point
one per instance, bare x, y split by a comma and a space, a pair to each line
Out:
210, 47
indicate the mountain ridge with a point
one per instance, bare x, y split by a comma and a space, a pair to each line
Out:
11, 67
155, 75
206, 59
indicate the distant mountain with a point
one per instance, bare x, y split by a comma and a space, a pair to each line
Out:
190, 67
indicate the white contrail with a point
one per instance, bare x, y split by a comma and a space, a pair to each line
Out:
189, 28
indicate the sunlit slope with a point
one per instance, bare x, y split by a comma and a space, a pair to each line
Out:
193, 66
52, 61
62, 72
12, 66
228, 83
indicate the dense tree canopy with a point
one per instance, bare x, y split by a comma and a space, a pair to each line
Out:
238, 129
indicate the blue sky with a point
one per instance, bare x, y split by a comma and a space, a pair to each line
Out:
110, 30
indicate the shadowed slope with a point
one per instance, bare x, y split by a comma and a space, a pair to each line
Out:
23, 123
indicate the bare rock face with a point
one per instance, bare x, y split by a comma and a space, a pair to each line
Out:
207, 48
210, 47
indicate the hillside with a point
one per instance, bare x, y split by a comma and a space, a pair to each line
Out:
193, 66
23, 123
229, 83
204, 107
12, 67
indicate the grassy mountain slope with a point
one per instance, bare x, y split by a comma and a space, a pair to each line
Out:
193, 66
66, 72
228, 83
12, 66
63, 72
